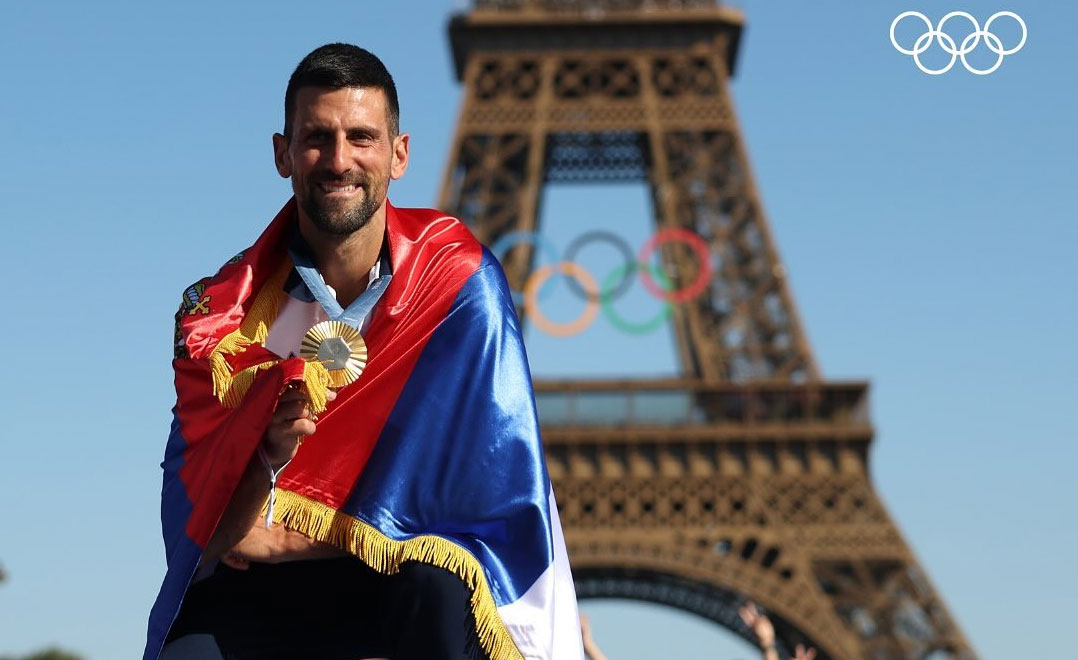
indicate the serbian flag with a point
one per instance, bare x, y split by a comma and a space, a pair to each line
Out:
433, 455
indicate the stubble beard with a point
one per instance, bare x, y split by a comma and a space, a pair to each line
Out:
342, 220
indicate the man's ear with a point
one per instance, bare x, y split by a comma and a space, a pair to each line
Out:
400, 156
281, 158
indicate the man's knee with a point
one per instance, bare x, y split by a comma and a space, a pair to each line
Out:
192, 647
434, 590
435, 616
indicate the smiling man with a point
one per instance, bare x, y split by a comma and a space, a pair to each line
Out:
354, 467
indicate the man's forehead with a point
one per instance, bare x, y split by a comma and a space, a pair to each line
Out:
319, 103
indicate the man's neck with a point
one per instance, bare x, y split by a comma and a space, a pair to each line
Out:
346, 261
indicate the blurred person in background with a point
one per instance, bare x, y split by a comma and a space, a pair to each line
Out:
765, 634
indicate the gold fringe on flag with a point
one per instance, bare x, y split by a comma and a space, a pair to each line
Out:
316, 378
230, 387
385, 555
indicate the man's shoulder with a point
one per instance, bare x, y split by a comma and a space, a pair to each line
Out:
423, 220
441, 235
426, 215
193, 299
207, 300
451, 252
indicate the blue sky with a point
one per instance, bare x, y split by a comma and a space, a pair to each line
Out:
926, 224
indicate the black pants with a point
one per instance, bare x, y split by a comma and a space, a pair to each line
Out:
333, 609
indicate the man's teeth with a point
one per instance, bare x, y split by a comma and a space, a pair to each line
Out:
329, 187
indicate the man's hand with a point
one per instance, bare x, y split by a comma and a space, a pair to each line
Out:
292, 420
761, 625
275, 545
758, 621
804, 654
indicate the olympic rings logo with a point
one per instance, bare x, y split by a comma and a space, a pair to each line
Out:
969, 43
600, 296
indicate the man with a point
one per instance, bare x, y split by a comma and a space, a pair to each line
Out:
362, 366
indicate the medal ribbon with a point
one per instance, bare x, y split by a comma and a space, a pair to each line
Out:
359, 308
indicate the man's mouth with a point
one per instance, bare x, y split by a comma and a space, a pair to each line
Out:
343, 189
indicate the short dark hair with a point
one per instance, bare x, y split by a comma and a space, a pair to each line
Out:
336, 66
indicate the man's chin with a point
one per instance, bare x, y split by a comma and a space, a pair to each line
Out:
339, 220
342, 226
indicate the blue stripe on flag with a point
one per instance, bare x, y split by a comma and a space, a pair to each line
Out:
460, 455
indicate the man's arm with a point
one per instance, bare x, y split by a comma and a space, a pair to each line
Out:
242, 511
761, 625
241, 537
591, 649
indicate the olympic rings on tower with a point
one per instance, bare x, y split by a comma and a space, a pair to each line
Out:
514, 238
619, 243
616, 283
703, 264
637, 328
531, 305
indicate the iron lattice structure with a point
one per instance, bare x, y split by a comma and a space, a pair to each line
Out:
748, 477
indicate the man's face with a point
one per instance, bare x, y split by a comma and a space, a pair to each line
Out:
340, 156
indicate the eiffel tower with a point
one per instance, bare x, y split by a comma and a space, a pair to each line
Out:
747, 477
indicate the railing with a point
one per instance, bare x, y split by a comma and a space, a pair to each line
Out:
689, 403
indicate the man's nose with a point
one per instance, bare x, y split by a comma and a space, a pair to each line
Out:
339, 156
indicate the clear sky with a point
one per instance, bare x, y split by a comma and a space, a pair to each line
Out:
927, 225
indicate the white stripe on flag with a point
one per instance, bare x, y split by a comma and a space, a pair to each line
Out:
544, 621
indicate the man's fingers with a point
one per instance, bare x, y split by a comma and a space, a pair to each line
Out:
293, 393
294, 402
298, 392
232, 560
303, 427
283, 439
290, 429
289, 410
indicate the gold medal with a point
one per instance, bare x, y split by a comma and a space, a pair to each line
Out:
339, 347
